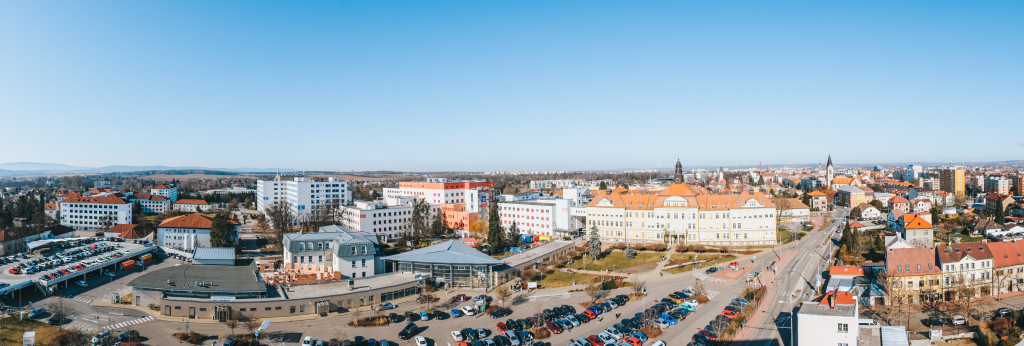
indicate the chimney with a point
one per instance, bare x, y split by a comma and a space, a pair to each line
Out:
831, 300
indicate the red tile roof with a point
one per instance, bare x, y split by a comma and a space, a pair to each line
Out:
913, 221
190, 221
50, 206
162, 187
911, 262
956, 252
94, 199
842, 298
898, 199
846, 270
192, 201
1007, 253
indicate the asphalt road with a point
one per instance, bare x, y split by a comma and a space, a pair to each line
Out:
795, 283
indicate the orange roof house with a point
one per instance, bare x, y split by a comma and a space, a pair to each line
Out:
196, 221
192, 201
846, 271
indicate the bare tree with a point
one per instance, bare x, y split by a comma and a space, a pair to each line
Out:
638, 285
61, 310
232, 323
106, 221
320, 215
251, 324
595, 292
281, 220
503, 293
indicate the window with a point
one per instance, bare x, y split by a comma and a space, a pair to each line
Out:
843, 328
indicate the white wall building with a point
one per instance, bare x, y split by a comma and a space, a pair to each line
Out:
302, 193
169, 191
89, 213
832, 321
151, 203
377, 218
552, 184
187, 232
192, 206
547, 216
351, 253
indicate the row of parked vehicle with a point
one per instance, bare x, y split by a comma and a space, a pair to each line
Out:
709, 334
101, 254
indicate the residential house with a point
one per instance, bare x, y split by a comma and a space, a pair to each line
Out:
916, 230
966, 269
920, 192
985, 226
894, 217
899, 203
1008, 263
868, 211
883, 197
51, 210
819, 200
921, 204
995, 200
913, 274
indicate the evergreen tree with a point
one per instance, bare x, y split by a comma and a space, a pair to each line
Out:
437, 228
1000, 213
630, 251
495, 233
602, 186
222, 231
595, 243
515, 237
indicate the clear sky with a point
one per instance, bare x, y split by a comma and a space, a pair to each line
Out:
509, 85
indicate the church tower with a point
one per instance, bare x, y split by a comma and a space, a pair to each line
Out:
679, 172
830, 172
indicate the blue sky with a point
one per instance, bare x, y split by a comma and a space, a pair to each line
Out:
508, 85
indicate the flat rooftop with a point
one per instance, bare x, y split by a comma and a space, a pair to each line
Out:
338, 287
533, 254
131, 248
815, 308
220, 279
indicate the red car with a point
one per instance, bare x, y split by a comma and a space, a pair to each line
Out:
502, 328
594, 340
729, 313
632, 341
459, 298
590, 314
708, 334
554, 327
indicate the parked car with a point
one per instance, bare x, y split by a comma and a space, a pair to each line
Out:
459, 298
408, 332
387, 306
101, 337
456, 313
37, 313
468, 310
501, 313
959, 320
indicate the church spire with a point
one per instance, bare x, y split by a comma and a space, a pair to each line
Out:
829, 164
679, 172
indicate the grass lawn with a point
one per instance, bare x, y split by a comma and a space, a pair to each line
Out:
562, 279
966, 238
14, 330
717, 259
617, 260
682, 256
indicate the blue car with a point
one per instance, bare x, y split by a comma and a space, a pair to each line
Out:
456, 313
668, 318
639, 336
596, 311
424, 316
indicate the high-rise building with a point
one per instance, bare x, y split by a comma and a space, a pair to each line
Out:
1018, 188
462, 202
998, 185
952, 180
302, 193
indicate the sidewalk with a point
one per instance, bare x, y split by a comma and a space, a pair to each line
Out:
771, 291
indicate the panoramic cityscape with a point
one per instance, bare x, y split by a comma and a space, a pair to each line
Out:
511, 173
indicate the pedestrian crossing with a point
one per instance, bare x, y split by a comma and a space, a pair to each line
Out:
83, 326
82, 299
700, 276
129, 323
711, 293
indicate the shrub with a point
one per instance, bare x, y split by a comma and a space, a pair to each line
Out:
700, 298
531, 274
618, 246
609, 285
192, 337
684, 248
370, 321
657, 247
540, 333
651, 331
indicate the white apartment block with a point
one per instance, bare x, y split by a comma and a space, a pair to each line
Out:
474, 194
998, 185
192, 206
679, 215
88, 213
187, 232
547, 216
377, 218
150, 203
169, 191
335, 248
553, 184
832, 321
302, 193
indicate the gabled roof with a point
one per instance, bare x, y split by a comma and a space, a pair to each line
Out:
846, 270
817, 193
865, 206
913, 221
956, 252
343, 238
190, 221
911, 262
842, 298
1007, 253
121, 227
97, 200
162, 187
50, 206
214, 253
449, 252
898, 199
191, 201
